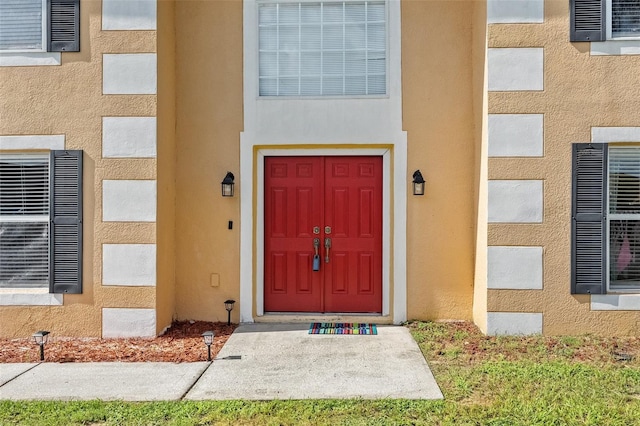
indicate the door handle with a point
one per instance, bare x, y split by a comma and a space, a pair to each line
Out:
316, 256
327, 246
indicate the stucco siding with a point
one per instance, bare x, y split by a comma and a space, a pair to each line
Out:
583, 93
485, 98
439, 118
209, 113
62, 106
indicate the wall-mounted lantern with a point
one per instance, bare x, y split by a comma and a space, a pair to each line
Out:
227, 185
41, 338
418, 183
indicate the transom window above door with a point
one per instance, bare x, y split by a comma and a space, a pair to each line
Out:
329, 48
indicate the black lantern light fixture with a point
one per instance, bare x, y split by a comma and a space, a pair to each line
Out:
227, 185
208, 340
418, 183
41, 338
228, 305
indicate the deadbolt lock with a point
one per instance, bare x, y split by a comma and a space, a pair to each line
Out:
316, 230
327, 230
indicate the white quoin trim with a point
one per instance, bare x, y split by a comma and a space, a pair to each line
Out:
129, 200
515, 69
515, 268
129, 15
514, 323
129, 73
129, 264
128, 322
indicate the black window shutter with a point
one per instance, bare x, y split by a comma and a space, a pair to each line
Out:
588, 219
65, 252
587, 20
64, 25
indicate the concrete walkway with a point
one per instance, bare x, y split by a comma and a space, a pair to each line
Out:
258, 362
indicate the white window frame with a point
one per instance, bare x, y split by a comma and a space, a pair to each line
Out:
45, 158
614, 217
311, 97
609, 15
44, 32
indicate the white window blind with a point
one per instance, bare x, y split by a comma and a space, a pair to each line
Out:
24, 220
22, 25
625, 18
324, 48
624, 218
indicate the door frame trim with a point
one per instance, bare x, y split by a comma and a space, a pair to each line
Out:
394, 195
385, 153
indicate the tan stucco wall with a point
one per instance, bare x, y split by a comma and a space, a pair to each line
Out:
580, 91
200, 118
68, 100
438, 74
480, 106
208, 125
166, 249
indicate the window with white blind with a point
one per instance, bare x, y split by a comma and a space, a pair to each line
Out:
328, 48
41, 221
23, 25
605, 228
623, 219
624, 17
600, 20
24, 221
39, 25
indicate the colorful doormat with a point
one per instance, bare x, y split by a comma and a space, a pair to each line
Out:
342, 328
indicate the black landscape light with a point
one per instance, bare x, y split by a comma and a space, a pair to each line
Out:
228, 305
40, 338
208, 340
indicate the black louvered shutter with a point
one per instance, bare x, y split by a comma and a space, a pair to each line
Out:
65, 256
587, 20
64, 25
588, 219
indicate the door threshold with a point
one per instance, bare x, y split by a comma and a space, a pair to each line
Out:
298, 317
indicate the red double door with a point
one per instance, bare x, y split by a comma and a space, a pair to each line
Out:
333, 204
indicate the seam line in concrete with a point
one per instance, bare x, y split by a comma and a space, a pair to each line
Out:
195, 381
25, 371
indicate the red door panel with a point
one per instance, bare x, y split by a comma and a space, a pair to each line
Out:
342, 196
293, 197
353, 210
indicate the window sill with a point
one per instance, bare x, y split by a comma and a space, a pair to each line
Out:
615, 47
321, 97
615, 302
29, 297
25, 59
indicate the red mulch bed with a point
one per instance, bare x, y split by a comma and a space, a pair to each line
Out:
181, 343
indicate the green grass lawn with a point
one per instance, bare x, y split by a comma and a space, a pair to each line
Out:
583, 380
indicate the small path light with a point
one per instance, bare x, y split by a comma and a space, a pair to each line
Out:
40, 338
208, 340
228, 305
